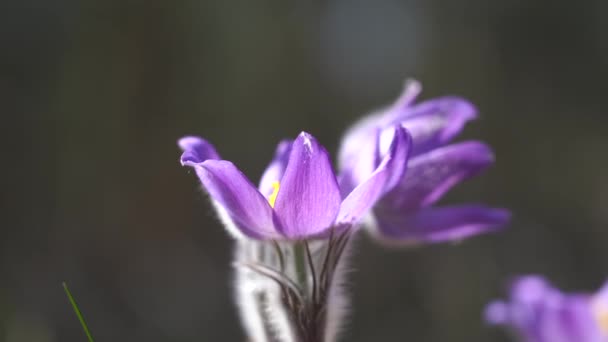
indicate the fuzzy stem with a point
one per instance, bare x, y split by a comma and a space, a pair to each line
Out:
300, 265
291, 291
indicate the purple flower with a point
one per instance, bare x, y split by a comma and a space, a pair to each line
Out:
298, 196
538, 312
406, 214
292, 232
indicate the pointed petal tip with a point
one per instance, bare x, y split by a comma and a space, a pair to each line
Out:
283, 146
305, 135
501, 216
307, 140
476, 152
411, 89
414, 86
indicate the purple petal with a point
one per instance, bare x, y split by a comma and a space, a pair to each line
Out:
402, 106
276, 168
385, 177
431, 175
435, 122
522, 311
196, 150
246, 206
566, 318
400, 150
601, 298
441, 224
530, 297
530, 289
363, 133
599, 306
431, 123
497, 312
309, 198
411, 90
361, 167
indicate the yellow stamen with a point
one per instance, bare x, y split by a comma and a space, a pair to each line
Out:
275, 192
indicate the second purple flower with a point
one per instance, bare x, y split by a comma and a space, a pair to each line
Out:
407, 214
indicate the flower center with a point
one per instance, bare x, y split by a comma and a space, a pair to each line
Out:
275, 191
600, 312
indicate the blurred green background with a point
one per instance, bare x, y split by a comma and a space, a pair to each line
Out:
94, 95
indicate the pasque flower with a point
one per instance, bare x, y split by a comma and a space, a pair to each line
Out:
292, 231
407, 214
538, 312
298, 196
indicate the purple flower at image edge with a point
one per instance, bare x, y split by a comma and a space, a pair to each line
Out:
406, 214
298, 195
538, 312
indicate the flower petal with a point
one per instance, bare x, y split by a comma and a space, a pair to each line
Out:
431, 175
435, 122
568, 318
384, 178
411, 90
246, 206
600, 299
361, 166
497, 312
400, 149
196, 150
361, 135
276, 168
431, 123
364, 132
309, 198
441, 224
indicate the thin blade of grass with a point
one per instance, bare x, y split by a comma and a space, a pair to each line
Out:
83, 323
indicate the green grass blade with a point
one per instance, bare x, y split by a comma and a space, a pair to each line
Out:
83, 323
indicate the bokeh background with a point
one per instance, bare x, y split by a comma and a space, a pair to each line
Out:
94, 95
